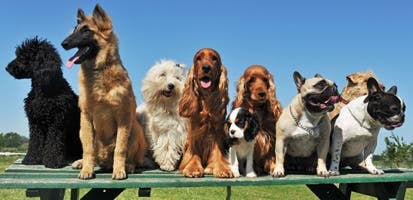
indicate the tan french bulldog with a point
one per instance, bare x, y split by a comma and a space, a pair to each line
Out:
304, 126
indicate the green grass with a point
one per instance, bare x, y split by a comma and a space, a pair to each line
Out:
200, 193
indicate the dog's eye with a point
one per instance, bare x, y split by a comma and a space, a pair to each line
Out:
321, 84
178, 78
163, 74
252, 80
85, 29
214, 58
198, 58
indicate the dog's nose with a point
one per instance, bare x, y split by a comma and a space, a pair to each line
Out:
171, 86
206, 68
232, 132
262, 94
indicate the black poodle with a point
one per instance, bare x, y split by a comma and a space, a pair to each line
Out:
51, 106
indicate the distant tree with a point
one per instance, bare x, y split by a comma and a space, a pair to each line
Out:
12, 140
397, 152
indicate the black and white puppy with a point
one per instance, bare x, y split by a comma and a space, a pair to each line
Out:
241, 128
358, 124
304, 127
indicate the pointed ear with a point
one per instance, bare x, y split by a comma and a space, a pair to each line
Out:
299, 80
101, 18
373, 86
80, 16
318, 75
392, 90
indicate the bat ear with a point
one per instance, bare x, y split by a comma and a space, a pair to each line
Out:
299, 80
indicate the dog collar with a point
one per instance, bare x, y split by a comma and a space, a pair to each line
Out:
297, 122
344, 101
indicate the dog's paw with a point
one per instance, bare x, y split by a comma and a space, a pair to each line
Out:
375, 171
278, 172
119, 174
323, 173
235, 171
223, 173
334, 173
77, 164
251, 174
208, 170
193, 172
86, 174
167, 167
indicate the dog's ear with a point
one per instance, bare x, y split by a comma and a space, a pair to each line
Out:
188, 105
392, 90
241, 92
318, 75
253, 126
80, 16
275, 106
101, 19
299, 80
373, 86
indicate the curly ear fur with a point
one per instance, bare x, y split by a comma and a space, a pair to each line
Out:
241, 90
188, 105
223, 90
275, 105
252, 129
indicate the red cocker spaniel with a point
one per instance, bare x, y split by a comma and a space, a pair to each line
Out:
256, 91
204, 102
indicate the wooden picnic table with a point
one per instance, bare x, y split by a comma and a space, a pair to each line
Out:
51, 183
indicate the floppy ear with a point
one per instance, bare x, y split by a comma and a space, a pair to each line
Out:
252, 129
275, 106
392, 90
299, 80
80, 16
223, 91
188, 105
241, 92
102, 19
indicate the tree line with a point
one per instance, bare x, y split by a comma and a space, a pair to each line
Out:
13, 142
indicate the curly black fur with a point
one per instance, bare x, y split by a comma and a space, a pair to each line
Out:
51, 105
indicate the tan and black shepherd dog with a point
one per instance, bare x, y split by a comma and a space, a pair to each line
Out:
110, 135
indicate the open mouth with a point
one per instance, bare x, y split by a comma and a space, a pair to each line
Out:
167, 93
78, 57
206, 82
327, 104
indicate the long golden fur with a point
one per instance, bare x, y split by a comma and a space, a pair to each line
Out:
256, 91
204, 102
111, 137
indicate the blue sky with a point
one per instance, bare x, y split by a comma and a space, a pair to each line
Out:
331, 38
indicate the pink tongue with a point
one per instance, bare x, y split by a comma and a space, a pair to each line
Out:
333, 99
70, 63
205, 84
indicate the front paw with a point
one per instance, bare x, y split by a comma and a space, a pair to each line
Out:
193, 172
323, 173
235, 171
167, 167
375, 171
223, 173
251, 174
77, 164
86, 174
334, 173
278, 172
119, 174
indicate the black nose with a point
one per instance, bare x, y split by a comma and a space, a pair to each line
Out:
206, 68
171, 86
232, 132
261, 94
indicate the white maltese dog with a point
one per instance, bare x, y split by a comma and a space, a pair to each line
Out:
165, 130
